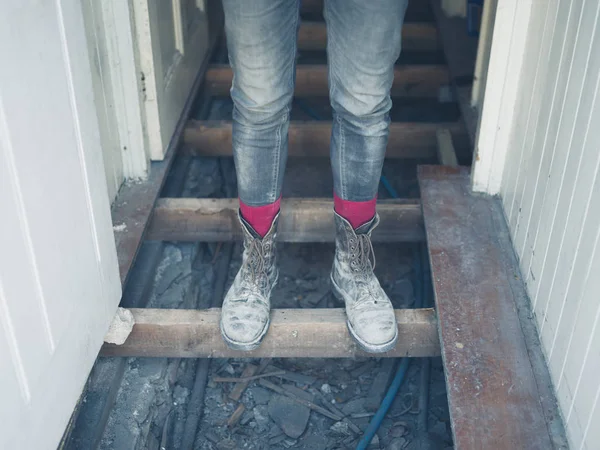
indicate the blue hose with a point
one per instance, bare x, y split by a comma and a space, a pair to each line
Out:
404, 362
385, 405
388, 186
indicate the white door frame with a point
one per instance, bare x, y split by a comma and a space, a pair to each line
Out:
501, 94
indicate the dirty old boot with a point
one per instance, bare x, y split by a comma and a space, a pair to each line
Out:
370, 314
245, 315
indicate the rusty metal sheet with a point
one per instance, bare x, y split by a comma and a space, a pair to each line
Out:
492, 391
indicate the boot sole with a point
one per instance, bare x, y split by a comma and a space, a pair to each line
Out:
245, 346
369, 348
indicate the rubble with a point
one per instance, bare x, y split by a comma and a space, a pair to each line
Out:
291, 417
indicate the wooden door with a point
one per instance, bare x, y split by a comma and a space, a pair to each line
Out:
172, 36
59, 281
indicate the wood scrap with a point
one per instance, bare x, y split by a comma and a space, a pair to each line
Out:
272, 386
244, 379
241, 386
236, 416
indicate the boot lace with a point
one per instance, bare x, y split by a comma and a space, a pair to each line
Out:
362, 255
255, 267
362, 264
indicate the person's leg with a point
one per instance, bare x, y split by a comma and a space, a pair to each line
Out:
363, 43
261, 39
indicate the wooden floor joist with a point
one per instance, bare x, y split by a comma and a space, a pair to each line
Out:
416, 36
493, 394
312, 139
301, 220
293, 333
419, 80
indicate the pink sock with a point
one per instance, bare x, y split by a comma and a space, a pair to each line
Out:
260, 218
357, 213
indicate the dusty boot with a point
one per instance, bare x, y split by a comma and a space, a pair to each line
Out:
245, 315
370, 314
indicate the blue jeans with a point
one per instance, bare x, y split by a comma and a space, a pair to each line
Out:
363, 44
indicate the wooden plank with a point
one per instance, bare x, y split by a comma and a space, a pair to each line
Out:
492, 392
446, 153
293, 333
312, 139
418, 10
415, 36
422, 80
133, 206
302, 220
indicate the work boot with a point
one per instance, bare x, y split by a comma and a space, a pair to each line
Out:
370, 314
245, 315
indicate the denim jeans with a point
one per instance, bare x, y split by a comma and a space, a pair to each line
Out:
363, 44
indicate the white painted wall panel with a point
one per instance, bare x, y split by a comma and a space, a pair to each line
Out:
59, 281
551, 195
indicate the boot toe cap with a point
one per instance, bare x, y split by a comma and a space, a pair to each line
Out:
244, 327
375, 334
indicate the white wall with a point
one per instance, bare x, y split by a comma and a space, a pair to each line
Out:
550, 188
59, 280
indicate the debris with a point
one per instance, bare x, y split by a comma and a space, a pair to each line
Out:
398, 431
247, 379
380, 384
349, 442
314, 298
288, 443
298, 378
227, 368
439, 429
341, 427
306, 403
397, 443
227, 444
260, 395
345, 394
355, 406
363, 369
374, 442
180, 395
426, 441
362, 415
236, 416
298, 392
326, 403
120, 328
246, 417
212, 436
277, 439
261, 416
290, 416
352, 426
241, 386
326, 389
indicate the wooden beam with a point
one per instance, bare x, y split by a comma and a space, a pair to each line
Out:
302, 220
294, 333
311, 80
491, 383
312, 139
417, 11
416, 36
446, 153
